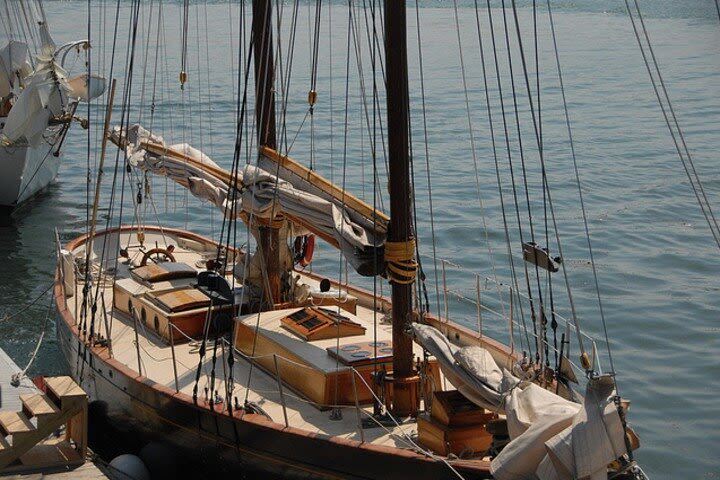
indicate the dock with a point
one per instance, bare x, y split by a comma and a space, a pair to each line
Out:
43, 434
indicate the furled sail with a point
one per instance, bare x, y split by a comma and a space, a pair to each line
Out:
261, 194
551, 438
14, 66
44, 97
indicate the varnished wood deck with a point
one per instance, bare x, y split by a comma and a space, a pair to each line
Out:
251, 383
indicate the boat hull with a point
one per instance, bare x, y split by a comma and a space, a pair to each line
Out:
25, 169
213, 442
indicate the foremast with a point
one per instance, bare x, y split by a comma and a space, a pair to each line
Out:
269, 231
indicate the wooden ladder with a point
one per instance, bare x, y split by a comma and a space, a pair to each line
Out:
24, 442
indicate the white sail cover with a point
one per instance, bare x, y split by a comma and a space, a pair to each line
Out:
262, 194
551, 438
45, 96
86, 88
14, 66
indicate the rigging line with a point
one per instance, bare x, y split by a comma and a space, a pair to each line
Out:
312, 95
698, 190
330, 92
379, 48
199, 88
124, 123
285, 79
233, 187
241, 109
155, 76
28, 23
543, 318
351, 38
232, 46
89, 139
491, 125
472, 136
538, 130
541, 144
499, 182
364, 101
420, 290
145, 62
207, 84
545, 183
26, 307
128, 86
374, 52
19, 375
361, 91
577, 179
316, 44
184, 47
541, 150
717, 6
88, 285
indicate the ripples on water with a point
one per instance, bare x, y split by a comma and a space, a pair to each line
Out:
656, 260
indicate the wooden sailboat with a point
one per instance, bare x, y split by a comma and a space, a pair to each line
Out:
240, 363
38, 101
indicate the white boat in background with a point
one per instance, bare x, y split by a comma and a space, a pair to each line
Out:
38, 99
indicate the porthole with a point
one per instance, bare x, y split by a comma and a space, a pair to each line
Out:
130, 307
156, 322
143, 315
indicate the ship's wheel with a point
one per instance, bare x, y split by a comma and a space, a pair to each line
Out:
158, 255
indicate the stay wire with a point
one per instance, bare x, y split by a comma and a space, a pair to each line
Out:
672, 121
500, 189
427, 161
17, 377
491, 127
579, 184
545, 183
472, 133
523, 165
370, 118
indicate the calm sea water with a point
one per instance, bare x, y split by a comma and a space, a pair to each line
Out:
657, 263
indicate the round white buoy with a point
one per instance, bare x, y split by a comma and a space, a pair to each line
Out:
130, 466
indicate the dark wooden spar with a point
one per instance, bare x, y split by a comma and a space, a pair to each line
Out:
404, 377
269, 238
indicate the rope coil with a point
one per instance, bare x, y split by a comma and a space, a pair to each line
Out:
401, 264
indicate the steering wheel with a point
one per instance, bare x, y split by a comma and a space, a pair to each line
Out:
166, 252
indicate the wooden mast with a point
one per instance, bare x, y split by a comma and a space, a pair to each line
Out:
404, 376
265, 117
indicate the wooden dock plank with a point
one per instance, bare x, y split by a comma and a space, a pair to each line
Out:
36, 405
12, 423
64, 387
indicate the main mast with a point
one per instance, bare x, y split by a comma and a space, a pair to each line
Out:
269, 237
400, 235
